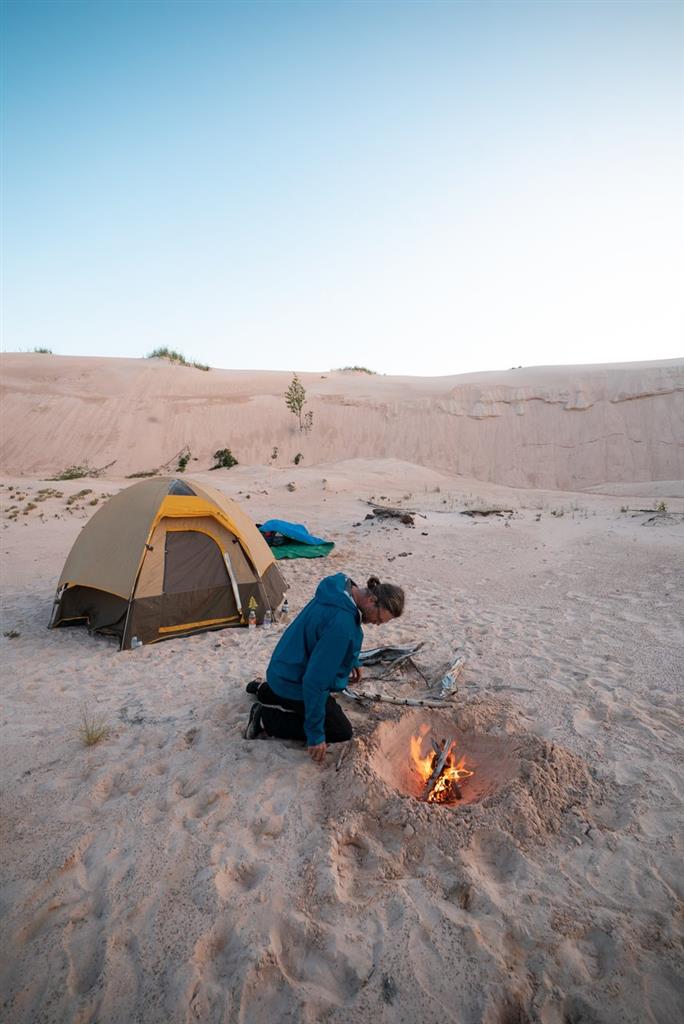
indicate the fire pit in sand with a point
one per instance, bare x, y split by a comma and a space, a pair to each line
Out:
412, 758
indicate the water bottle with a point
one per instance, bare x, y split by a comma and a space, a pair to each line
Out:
135, 642
284, 611
251, 619
268, 618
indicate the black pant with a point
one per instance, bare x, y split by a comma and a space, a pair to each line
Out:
288, 724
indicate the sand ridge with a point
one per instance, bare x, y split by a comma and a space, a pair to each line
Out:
567, 428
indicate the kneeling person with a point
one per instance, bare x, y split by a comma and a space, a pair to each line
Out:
316, 656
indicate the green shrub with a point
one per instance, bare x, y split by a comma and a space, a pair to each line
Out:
357, 369
43, 351
661, 508
183, 460
224, 459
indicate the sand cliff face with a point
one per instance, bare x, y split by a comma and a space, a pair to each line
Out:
556, 427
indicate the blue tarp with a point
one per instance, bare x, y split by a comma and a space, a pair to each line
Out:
293, 540
293, 531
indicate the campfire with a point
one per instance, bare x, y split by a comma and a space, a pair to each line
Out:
439, 769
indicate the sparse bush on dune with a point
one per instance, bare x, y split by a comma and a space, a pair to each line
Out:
79, 470
73, 472
43, 351
357, 369
175, 357
183, 459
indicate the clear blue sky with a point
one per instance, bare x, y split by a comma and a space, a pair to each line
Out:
425, 188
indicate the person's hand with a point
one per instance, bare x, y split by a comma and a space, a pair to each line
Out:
355, 675
317, 753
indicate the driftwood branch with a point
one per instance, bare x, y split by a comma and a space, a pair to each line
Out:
408, 702
343, 754
390, 512
487, 512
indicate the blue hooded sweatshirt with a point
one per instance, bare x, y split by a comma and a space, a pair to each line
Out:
317, 651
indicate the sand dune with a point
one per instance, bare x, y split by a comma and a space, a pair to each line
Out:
175, 872
565, 428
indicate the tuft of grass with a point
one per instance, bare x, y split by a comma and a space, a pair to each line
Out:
93, 728
43, 351
143, 473
12, 634
168, 353
661, 508
78, 496
357, 369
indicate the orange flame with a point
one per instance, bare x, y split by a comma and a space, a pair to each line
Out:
453, 772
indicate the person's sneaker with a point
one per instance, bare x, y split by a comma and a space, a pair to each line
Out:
253, 686
254, 723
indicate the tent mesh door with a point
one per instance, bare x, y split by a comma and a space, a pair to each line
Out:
196, 584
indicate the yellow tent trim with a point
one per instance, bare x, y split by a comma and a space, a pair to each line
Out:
196, 625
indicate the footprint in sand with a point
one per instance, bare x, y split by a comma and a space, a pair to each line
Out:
340, 963
217, 963
266, 995
84, 944
243, 875
584, 722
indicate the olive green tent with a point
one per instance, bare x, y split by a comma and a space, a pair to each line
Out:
165, 558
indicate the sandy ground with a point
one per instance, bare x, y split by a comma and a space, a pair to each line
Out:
177, 873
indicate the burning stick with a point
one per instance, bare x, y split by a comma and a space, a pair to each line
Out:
442, 754
442, 774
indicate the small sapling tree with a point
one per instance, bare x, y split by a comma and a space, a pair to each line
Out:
295, 400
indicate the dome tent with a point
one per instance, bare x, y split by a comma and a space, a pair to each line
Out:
166, 558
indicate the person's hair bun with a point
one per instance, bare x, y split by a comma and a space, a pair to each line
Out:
373, 583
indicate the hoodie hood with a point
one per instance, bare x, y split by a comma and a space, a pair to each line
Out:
336, 591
